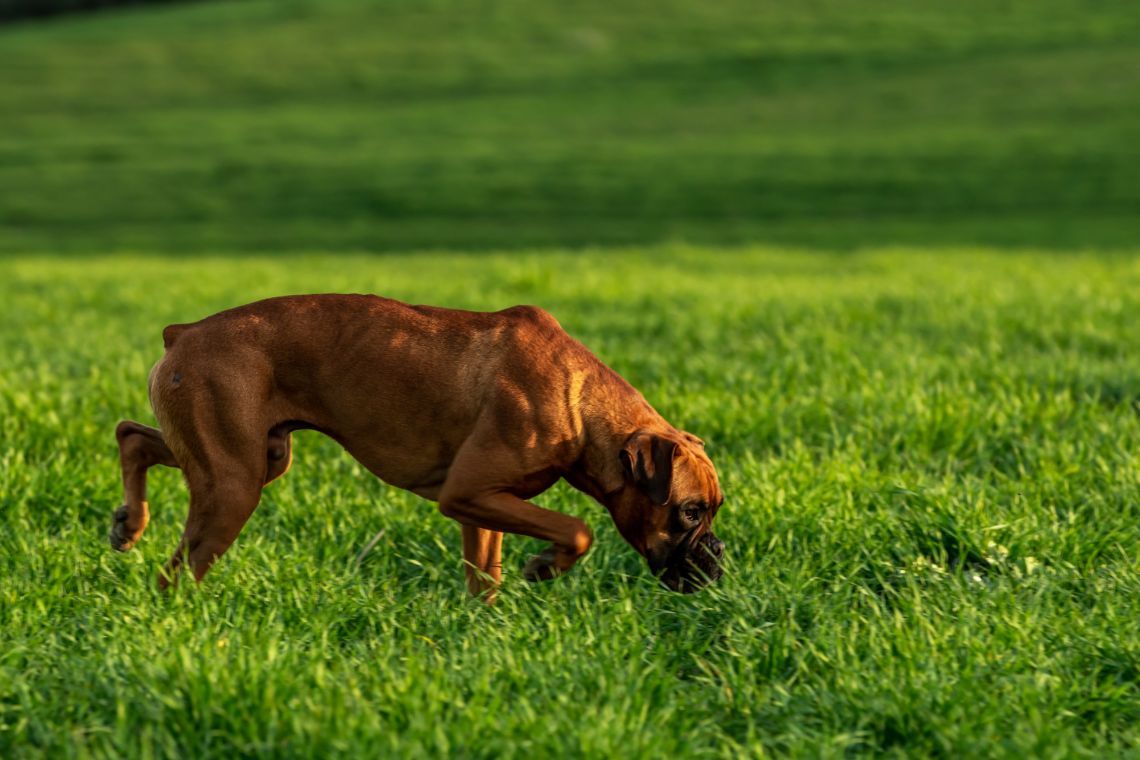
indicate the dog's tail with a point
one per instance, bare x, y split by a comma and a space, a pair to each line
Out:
171, 333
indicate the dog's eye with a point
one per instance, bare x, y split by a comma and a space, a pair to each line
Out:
691, 513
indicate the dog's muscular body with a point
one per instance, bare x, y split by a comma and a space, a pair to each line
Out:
477, 411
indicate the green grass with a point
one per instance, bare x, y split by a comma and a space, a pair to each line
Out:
352, 125
921, 388
930, 459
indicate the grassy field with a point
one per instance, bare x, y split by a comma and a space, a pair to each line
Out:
357, 125
884, 259
931, 462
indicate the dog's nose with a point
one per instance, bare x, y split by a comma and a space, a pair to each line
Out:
717, 547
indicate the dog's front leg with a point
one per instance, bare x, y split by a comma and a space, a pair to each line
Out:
483, 557
500, 511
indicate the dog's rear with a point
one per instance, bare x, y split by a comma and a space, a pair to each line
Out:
140, 448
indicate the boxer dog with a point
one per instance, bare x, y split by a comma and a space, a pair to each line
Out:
477, 411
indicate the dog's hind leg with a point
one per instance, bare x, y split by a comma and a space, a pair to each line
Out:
140, 448
224, 491
278, 453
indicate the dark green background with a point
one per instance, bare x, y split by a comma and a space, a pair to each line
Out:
291, 125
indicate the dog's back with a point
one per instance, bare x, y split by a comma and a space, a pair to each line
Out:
380, 376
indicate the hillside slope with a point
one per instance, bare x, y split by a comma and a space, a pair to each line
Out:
365, 125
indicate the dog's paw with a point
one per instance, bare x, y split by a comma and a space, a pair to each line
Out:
122, 537
541, 567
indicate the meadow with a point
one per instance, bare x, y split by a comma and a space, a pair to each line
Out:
332, 125
930, 462
883, 260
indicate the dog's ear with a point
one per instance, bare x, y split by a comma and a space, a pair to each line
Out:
648, 461
693, 439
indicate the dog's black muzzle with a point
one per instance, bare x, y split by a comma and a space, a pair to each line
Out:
694, 564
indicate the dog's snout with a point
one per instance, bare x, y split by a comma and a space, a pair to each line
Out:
716, 546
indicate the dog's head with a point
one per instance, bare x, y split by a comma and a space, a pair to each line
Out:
666, 505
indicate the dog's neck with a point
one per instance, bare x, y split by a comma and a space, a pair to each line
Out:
610, 413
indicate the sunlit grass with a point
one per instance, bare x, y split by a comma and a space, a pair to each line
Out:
930, 460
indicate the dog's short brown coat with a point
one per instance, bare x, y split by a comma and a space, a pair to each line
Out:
477, 411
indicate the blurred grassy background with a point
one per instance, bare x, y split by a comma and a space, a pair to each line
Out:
930, 450
353, 125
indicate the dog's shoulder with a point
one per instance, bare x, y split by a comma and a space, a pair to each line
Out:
532, 316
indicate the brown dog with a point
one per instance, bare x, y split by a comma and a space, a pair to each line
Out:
477, 411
